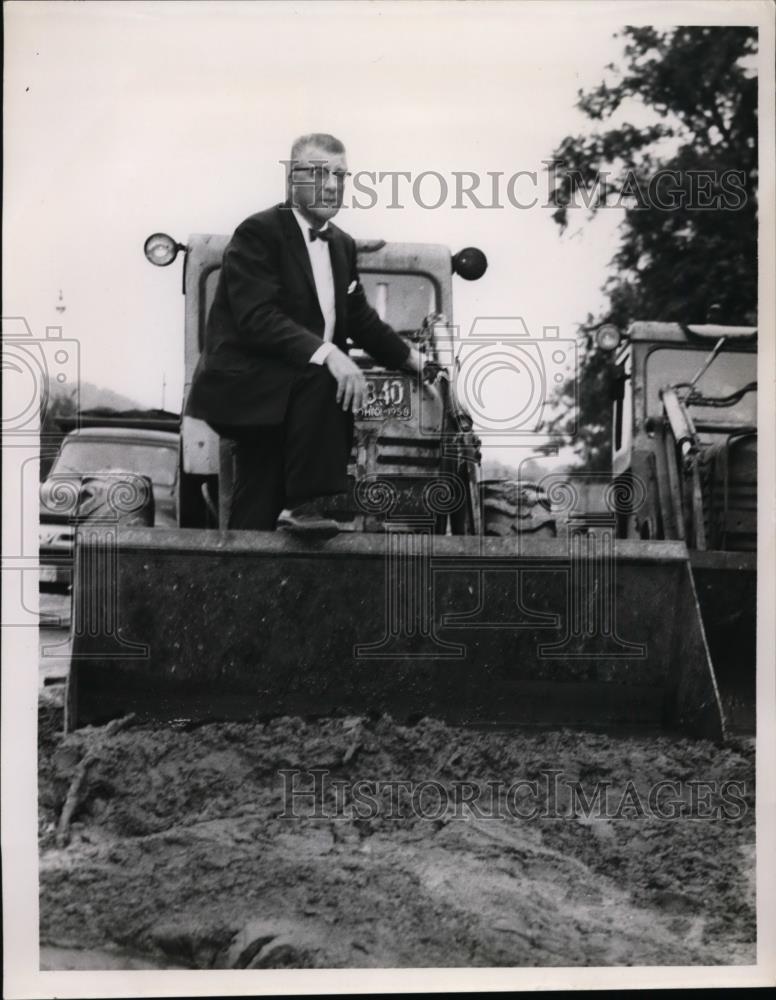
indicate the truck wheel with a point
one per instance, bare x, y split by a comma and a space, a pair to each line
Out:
511, 508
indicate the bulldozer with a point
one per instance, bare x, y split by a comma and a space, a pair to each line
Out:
479, 602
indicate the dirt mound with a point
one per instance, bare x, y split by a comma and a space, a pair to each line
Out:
356, 842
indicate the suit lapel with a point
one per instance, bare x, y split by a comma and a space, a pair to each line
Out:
295, 241
339, 269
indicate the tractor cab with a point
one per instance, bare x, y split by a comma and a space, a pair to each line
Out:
684, 420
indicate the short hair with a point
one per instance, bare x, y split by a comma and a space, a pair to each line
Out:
324, 141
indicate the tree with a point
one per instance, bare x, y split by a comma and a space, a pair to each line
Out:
687, 185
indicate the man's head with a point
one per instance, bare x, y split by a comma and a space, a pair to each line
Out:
316, 176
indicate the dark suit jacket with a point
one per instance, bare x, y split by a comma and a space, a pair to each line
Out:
265, 322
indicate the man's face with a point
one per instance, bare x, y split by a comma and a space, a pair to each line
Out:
317, 183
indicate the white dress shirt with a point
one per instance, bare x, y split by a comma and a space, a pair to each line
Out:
323, 276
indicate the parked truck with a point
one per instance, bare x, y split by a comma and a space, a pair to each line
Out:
105, 454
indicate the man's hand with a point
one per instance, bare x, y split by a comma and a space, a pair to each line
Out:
416, 362
351, 384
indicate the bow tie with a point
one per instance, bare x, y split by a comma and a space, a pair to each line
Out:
320, 234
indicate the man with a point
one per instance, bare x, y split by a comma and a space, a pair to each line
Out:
274, 376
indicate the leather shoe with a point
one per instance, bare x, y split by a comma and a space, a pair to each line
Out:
307, 519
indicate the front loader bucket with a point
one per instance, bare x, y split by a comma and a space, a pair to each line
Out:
726, 584
474, 630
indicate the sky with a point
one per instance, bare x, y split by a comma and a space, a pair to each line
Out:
124, 119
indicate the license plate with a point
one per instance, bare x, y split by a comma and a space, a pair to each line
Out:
387, 397
48, 574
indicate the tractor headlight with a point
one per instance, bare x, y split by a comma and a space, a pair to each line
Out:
161, 249
607, 337
470, 263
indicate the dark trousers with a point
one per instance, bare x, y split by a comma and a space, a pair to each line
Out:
304, 457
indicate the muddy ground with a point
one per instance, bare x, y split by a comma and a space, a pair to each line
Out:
171, 847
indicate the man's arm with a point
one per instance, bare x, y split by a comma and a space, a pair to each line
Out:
250, 271
370, 333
